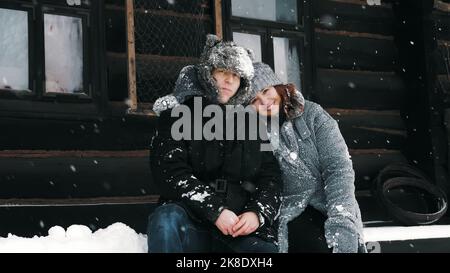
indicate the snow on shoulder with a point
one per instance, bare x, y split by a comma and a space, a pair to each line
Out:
118, 237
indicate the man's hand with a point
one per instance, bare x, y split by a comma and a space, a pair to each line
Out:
226, 221
248, 223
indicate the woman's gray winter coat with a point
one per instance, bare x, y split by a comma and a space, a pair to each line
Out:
317, 171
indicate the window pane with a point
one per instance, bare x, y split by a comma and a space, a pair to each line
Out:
14, 49
271, 10
287, 61
251, 41
63, 54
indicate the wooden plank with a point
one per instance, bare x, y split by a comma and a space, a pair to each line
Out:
110, 134
443, 57
131, 51
68, 202
369, 137
443, 82
116, 31
353, 34
180, 7
367, 163
119, 59
50, 154
358, 53
167, 59
359, 89
120, 3
173, 14
447, 127
390, 120
119, 109
338, 15
117, 78
363, 3
75, 177
52, 110
441, 6
442, 25
363, 129
218, 18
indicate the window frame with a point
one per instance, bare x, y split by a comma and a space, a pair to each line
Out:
15, 93
302, 31
53, 104
272, 24
87, 85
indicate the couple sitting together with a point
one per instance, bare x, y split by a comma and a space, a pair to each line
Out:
230, 195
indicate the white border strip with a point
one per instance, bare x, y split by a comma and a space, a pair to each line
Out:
377, 234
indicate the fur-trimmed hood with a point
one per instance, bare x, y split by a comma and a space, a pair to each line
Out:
228, 56
197, 80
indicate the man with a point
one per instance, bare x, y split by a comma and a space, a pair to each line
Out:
216, 195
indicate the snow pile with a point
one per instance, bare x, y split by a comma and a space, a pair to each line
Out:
117, 237
120, 238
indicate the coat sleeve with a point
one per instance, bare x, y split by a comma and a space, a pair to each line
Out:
174, 176
343, 224
265, 201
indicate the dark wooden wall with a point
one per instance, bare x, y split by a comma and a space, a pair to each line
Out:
357, 81
421, 30
440, 15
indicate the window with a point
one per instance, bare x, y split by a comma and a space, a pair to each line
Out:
14, 53
276, 32
271, 10
47, 50
286, 60
63, 42
252, 41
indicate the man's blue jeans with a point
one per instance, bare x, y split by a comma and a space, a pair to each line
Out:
171, 230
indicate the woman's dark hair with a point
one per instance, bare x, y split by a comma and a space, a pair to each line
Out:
291, 106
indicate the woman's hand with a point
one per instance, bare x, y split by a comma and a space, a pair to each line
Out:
248, 223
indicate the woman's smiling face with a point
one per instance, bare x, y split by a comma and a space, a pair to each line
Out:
267, 102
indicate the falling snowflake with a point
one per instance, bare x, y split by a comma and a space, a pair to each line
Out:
293, 155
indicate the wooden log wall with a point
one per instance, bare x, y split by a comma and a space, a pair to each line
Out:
418, 28
99, 167
441, 18
357, 83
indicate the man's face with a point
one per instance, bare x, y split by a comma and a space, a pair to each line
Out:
227, 83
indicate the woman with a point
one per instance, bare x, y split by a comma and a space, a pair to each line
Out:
319, 210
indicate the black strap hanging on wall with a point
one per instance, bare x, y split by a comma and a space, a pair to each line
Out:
409, 184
